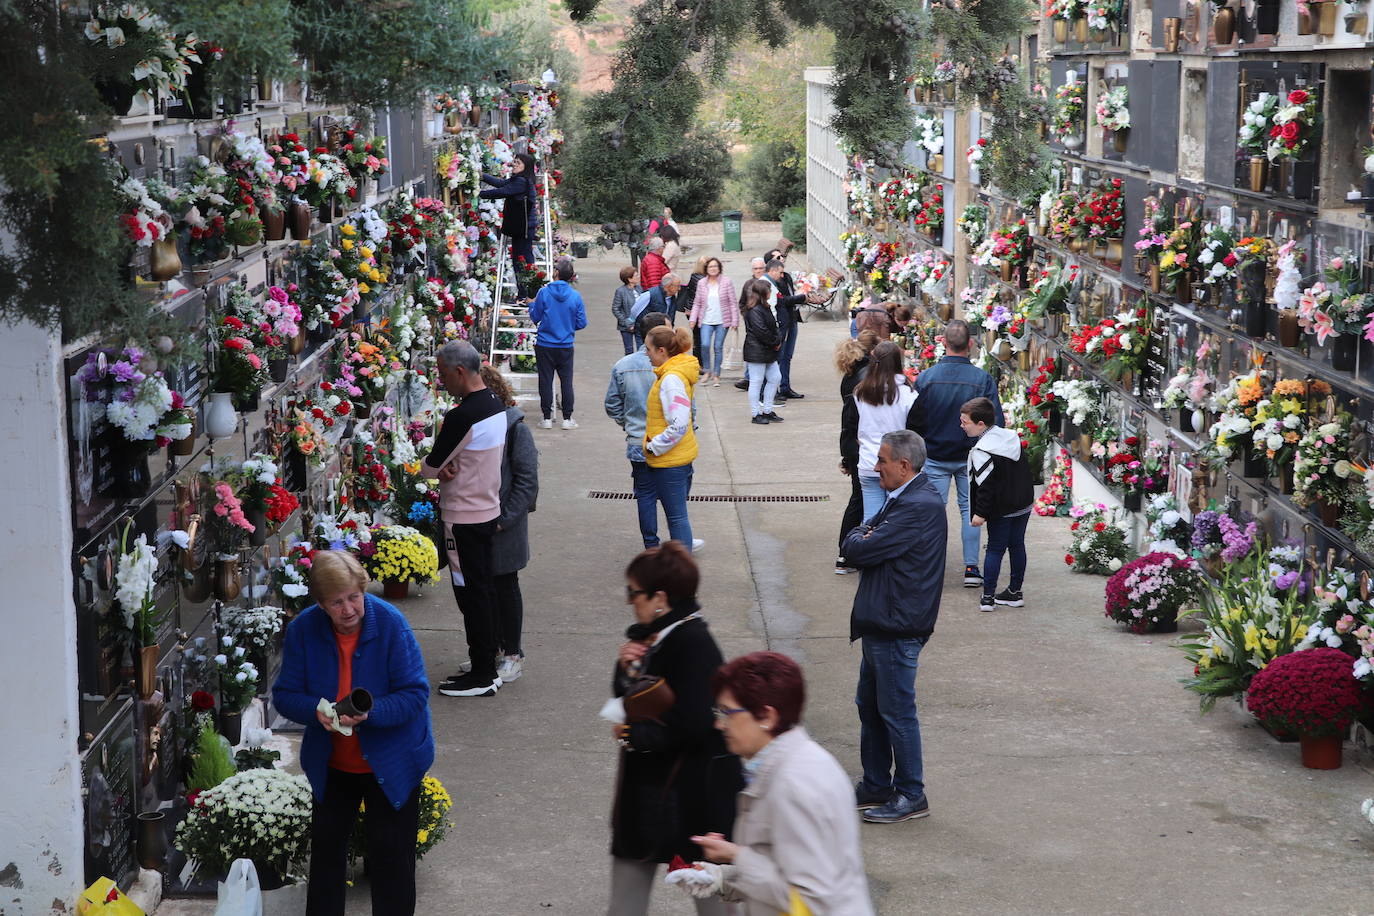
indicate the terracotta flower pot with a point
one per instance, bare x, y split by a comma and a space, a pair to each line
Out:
1321, 753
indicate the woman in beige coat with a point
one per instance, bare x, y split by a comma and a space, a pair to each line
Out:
796, 829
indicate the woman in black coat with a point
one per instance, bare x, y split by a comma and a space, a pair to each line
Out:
762, 341
520, 214
851, 358
676, 780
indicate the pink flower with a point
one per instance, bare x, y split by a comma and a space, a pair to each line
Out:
253, 360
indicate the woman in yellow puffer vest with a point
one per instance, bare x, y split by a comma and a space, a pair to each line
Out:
670, 445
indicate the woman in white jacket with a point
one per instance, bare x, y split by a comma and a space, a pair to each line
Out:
885, 402
796, 830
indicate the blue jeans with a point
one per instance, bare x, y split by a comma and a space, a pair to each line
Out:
889, 732
646, 498
712, 347
630, 342
763, 386
789, 346
874, 494
1005, 534
672, 485
939, 473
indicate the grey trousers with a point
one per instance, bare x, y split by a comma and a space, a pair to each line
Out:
632, 882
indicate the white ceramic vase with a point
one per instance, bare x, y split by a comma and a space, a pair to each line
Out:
221, 420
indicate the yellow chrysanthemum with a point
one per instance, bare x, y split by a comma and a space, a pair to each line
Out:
364, 288
348, 229
346, 244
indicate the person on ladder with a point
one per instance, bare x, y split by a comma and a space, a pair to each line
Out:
519, 215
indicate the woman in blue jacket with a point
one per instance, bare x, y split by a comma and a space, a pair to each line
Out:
520, 214
351, 639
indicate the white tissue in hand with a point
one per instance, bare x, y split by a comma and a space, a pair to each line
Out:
328, 709
614, 711
701, 880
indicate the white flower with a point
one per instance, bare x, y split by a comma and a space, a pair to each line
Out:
1342, 469
221, 660
1114, 565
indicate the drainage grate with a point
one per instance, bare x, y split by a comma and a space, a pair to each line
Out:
608, 494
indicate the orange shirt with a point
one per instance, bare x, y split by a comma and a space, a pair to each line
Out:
348, 753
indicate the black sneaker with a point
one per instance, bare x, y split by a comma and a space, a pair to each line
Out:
1008, 598
973, 577
742, 384
790, 394
773, 418
760, 418
987, 603
471, 685
865, 798
900, 808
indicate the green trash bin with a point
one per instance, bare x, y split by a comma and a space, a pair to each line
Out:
733, 221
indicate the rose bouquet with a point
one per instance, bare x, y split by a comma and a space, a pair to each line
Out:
931, 214
1292, 126
901, 194
238, 369
1040, 393
363, 158
1256, 120
1101, 212
1098, 545
327, 297
1310, 693
143, 210
398, 553
1111, 109
1055, 500
263, 815
1214, 255
1068, 110
1321, 469
291, 165
1150, 591
974, 154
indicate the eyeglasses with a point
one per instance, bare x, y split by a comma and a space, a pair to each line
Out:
724, 712
631, 592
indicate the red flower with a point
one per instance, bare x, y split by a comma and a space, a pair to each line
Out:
235, 343
232, 322
1290, 130
201, 700
1297, 97
1068, 559
1099, 527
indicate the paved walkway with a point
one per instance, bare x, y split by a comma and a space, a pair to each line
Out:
1067, 770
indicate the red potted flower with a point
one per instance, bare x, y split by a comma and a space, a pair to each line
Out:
1312, 693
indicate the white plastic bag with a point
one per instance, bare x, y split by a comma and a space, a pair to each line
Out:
239, 893
730, 359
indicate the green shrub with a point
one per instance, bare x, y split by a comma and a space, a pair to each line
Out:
697, 170
775, 174
794, 225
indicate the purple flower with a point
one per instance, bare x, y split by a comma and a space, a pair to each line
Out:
123, 372
1236, 543
133, 355
1205, 529
1285, 581
999, 315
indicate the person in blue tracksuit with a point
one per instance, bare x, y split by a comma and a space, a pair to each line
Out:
559, 313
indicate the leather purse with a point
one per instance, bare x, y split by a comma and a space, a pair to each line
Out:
648, 699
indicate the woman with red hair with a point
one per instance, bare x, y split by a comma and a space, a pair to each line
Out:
796, 833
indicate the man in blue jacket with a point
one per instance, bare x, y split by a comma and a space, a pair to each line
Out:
627, 403
559, 314
901, 554
942, 390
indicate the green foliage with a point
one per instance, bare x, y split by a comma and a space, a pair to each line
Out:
775, 174
794, 225
697, 170
255, 34
210, 763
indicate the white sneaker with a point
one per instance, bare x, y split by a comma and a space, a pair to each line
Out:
570, 423
511, 667
697, 544
546, 424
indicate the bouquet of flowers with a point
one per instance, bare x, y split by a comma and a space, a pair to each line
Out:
1066, 217
1152, 590
254, 628
929, 131
327, 296
1155, 228
1082, 400
1292, 126
363, 158
328, 179
1281, 421
259, 814
1055, 500
1180, 249
307, 436
290, 163
138, 404
901, 194
135, 578
974, 154
345, 530
1335, 305
1214, 256
973, 222
398, 553
1311, 693
1040, 393
931, 215
1068, 109
1068, 10
1168, 530
1117, 343
143, 213
1237, 405
228, 524
238, 677
1099, 544
1322, 469
1253, 135
1111, 109
358, 261
159, 60
1049, 294
1011, 245
290, 574
1101, 211
1219, 533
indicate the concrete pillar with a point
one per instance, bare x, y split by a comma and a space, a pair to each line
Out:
41, 823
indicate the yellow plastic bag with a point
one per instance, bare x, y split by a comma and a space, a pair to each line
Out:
796, 905
104, 898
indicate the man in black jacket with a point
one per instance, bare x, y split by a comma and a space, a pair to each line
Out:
901, 551
787, 308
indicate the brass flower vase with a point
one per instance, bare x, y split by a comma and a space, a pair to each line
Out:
1119, 139
1224, 26
1173, 25
1061, 30
1259, 173
1080, 30
1154, 278
145, 672
164, 262
227, 584
1326, 17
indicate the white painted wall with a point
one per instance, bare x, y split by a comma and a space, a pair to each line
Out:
827, 211
41, 867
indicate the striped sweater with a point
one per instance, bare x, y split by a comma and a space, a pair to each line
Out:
472, 439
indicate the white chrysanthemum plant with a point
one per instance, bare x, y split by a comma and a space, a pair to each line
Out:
259, 814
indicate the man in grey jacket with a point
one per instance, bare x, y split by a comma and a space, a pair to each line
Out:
627, 403
901, 553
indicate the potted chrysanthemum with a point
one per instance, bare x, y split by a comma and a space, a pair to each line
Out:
1312, 693
259, 814
398, 555
1147, 594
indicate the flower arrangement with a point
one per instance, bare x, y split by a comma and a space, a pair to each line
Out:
267, 333
237, 368
143, 213
901, 194
263, 815
398, 553
1049, 294
1011, 245
1040, 393
291, 574
1155, 228
306, 436
238, 677
1237, 404
291, 164
1292, 126
1219, 533
974, 154
346, 530
1310, 693
327, 297
358, 261
135, 578
140, 405
1101, 211
1176, 258
328, 179
1098, 546
973, 222
1111, 109
1068, 110
435, 803
1102, 15
254, 628
1214, 255
228, 523
1117, 342
1253, 134
1068, 10
1082, 401
1055, 500
363, 158
931, 215
1335, 305
1259, 611
1152, 590
159, 59
1168, 530
929, 133
1281, 420
370, 482
1321, 468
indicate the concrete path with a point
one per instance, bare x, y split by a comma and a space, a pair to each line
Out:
1067, 770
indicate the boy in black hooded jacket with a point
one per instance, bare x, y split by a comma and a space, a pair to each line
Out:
1000, 496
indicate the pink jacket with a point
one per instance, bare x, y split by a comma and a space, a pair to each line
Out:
729, 304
